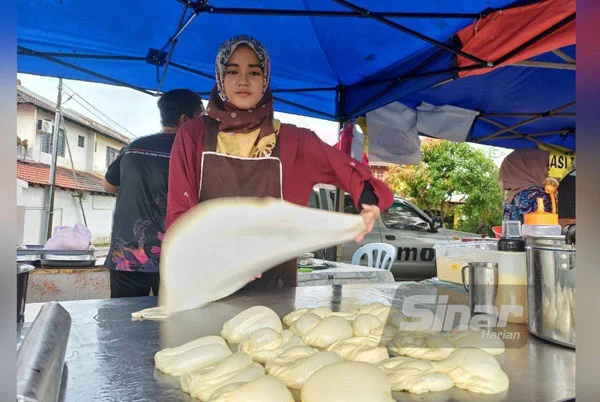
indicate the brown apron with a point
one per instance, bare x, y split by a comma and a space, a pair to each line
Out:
224, 176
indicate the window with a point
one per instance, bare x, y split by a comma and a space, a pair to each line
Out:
401, 216
81, 141
47, 142
111, 155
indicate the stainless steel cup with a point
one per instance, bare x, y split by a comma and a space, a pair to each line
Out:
483, 286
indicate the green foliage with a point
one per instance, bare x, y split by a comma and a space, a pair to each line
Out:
447, 169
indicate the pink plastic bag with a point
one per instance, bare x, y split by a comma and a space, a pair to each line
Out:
69, 238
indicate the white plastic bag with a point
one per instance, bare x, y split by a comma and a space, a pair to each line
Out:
69, 238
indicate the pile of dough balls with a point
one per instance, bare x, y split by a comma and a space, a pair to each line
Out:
331, 356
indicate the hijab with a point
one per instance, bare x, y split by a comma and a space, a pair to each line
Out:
523, 169
230, 118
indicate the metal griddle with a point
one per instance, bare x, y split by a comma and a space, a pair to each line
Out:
110, 357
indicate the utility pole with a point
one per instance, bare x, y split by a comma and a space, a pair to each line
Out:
50, 193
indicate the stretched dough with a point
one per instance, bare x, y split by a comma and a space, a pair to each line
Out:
421, 346
152, 313
226, 231
248, 321
289, 319
193, 359
266, 343
161, 358
348, 382
296, 365
263, 389
362, 349
476, 339
305, 323
236, 368
328, 331
414, 375
474, 370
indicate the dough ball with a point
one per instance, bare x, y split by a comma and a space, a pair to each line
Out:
321, 311
237, 368
363, 349
297, 364
366, 325
168, 353
248, 321
477, 339
263, 389
388, 334
421, 346
348, 382
289, 319
305, 323
328, 331
267, 343
380, 310
414, 375
192, 360
474, 370
346, 315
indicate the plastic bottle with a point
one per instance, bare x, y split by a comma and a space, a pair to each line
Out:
540, 222
512, 274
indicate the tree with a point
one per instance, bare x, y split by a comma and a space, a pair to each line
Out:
449, 169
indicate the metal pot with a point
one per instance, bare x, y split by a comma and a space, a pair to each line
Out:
22, 279
551, 288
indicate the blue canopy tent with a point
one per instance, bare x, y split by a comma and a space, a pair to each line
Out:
330, 59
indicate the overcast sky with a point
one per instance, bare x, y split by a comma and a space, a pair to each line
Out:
135, 114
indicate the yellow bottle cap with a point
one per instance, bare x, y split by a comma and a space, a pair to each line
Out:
540, 217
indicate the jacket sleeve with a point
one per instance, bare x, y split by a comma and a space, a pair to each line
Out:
184, 170
328, 165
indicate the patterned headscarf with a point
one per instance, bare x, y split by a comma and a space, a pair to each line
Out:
230, 118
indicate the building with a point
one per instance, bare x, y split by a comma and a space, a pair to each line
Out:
85, 149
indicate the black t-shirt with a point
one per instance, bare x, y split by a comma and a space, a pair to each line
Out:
566, 197
141, 171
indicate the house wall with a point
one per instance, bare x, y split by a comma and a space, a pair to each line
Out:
98, 210
26, 129
100, 152
73, 131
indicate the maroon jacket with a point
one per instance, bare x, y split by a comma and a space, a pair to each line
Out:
306, 161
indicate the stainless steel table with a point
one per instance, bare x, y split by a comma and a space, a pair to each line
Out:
110, 358
340, 273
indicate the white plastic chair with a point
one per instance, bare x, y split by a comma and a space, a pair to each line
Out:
384, 255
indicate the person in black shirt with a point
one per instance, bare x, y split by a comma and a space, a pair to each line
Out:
566, 199
139, 177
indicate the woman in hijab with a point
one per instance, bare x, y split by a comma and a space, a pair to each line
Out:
522, 176
238, 149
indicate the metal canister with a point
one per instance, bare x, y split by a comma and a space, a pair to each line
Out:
22, 280
551, 288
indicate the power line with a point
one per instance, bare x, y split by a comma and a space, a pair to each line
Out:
98, 111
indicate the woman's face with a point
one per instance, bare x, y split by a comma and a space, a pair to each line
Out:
244, 79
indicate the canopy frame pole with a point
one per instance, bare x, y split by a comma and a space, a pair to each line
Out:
533, 135
517, 114
402, 28
564, 56
394, 84
521, 135
535, 39
205, 7
181, 26
304, 107
544, 64
528, 121
28, 52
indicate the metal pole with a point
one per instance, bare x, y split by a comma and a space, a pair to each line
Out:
50, 198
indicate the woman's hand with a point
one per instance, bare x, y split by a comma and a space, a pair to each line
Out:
369, 214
